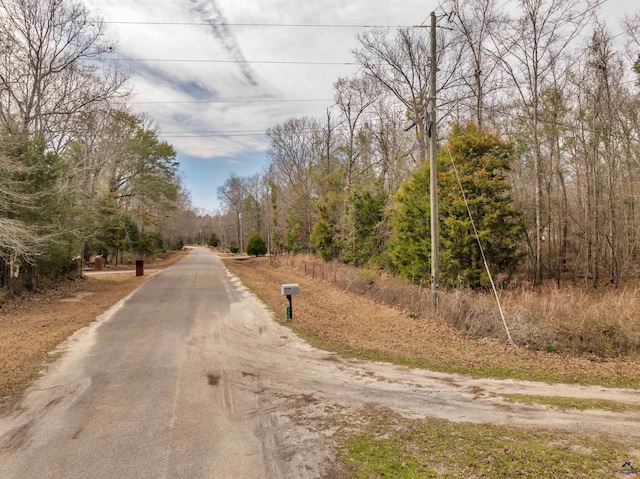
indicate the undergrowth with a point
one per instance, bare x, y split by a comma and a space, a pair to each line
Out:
599, 324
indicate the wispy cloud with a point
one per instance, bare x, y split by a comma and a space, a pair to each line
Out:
209, 12
164, 89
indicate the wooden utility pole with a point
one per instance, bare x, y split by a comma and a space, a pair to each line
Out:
433, 150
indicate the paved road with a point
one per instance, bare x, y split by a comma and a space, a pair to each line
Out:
157, 390
190, 377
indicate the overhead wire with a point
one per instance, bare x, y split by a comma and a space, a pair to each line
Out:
284, 25
222, 133
263, 62
248, 24
239, 131
207, 133
225, 135
231, 101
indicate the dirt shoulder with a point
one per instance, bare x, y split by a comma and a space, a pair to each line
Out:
343, 322
383, 420
32, 325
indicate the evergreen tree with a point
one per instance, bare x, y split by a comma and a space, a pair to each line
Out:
179, 244
256, 246
36, 201
364, 243
149, 243
324, 236
482, 158
214, 241
409, 250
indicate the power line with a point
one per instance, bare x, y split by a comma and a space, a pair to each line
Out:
222, 135
269, 25
296, 2
261, 130
231, 101
257, 130
264, 62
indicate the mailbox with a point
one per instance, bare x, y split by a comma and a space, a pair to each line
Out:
289, 289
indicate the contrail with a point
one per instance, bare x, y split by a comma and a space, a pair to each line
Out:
211, 13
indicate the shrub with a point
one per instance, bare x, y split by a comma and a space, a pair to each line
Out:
214, 241
233, 248
178, 244
256, 246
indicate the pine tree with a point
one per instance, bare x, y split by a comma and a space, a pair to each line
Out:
324, 236
482, 159
363, 244
256, 246
409, 250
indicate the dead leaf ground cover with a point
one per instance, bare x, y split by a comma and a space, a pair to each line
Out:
33, 324
349, 323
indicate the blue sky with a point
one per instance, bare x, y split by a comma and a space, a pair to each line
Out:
204, 175
215, 112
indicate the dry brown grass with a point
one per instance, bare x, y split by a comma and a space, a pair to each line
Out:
597, 324
344, 321
34, 324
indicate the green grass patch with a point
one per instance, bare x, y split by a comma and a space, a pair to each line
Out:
385, 445
572, 403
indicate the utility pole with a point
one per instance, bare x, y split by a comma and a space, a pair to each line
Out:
433, 170
241, 234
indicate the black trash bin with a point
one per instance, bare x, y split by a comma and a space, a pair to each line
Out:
139, 267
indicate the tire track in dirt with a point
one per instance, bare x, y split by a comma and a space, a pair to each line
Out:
334, 380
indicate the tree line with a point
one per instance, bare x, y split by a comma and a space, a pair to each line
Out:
80, 175
538, 146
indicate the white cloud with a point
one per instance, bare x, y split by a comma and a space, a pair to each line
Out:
193, 81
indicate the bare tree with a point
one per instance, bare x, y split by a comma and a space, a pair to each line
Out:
631, 27
255, 205
476, 21
353, 97
51, 71
529, 49
401, 65
17, 239
391, 142
601, 153
327, 168
232, 195
296, 147
20, 240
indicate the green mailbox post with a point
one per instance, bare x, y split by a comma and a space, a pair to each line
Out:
289, 290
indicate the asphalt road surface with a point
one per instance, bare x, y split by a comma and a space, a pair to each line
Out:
190, 377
